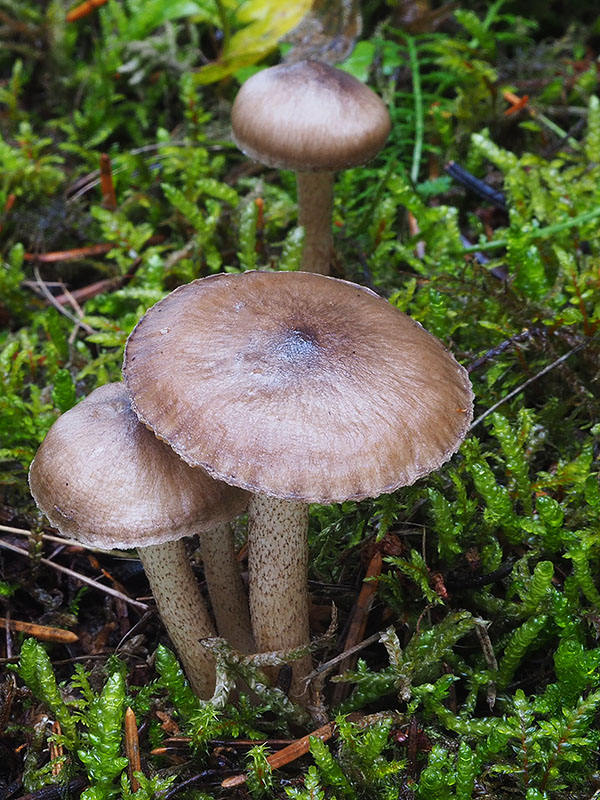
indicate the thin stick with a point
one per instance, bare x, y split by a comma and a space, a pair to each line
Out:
84, 9
490, 660
10, 201
58, 790
419, 123
70, 255
87, 292
473, 184
71, 573
67, 542
290, 753
79, 252
61, 309
364, 602
516, 103
107, 186
73, 302
537, 233
520, 103
132, 749
358, 623
56, 750
45, 632
176, 744
328, 665
524, 385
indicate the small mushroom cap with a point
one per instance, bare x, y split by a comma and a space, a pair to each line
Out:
297, 385
104, 479
308, 116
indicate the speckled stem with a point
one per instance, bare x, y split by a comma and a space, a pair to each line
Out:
226, 588
182, 610
278, 568
315, 209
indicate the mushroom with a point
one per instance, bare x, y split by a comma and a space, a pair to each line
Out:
314, 119
225, 586
104, 479
300, 388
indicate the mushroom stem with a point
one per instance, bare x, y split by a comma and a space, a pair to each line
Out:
315, 207
182, 610
278, 569
226, 588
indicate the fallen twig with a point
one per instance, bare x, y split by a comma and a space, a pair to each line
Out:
328, 665
56, 749
61, 309
358, 623
290, 753
526, 383
83, 9
202, 776
9, 203
87, 292
519, 103
107, 186
525, 334
58, 790
132, 749
66, 542
46, 633
480, 188
78, 576
70, 255
516, 103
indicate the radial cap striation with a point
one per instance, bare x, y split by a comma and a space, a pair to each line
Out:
104, 479
297, 385
308, 116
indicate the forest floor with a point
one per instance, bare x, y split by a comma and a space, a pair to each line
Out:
474, 664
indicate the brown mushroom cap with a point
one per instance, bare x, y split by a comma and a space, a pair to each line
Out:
104, 479
297, 385
308, 116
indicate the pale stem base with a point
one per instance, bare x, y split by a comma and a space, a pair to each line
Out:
226, 588
315, 210
278, 569
182, 610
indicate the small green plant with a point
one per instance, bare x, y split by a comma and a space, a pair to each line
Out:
260, 776
90, 726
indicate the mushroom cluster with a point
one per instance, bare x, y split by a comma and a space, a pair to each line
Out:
314, 119
298, 388
284, 388
104, 479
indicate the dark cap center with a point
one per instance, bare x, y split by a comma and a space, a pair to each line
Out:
297, 345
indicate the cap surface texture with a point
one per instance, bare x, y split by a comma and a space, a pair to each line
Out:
297, 385
104, 479
308, 116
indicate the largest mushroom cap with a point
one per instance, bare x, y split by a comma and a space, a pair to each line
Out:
297, 385
308, 116
104, 479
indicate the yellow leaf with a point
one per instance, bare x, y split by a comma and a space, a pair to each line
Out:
265, 23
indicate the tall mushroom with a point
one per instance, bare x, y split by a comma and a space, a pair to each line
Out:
314, 119
300, 388
104, 479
